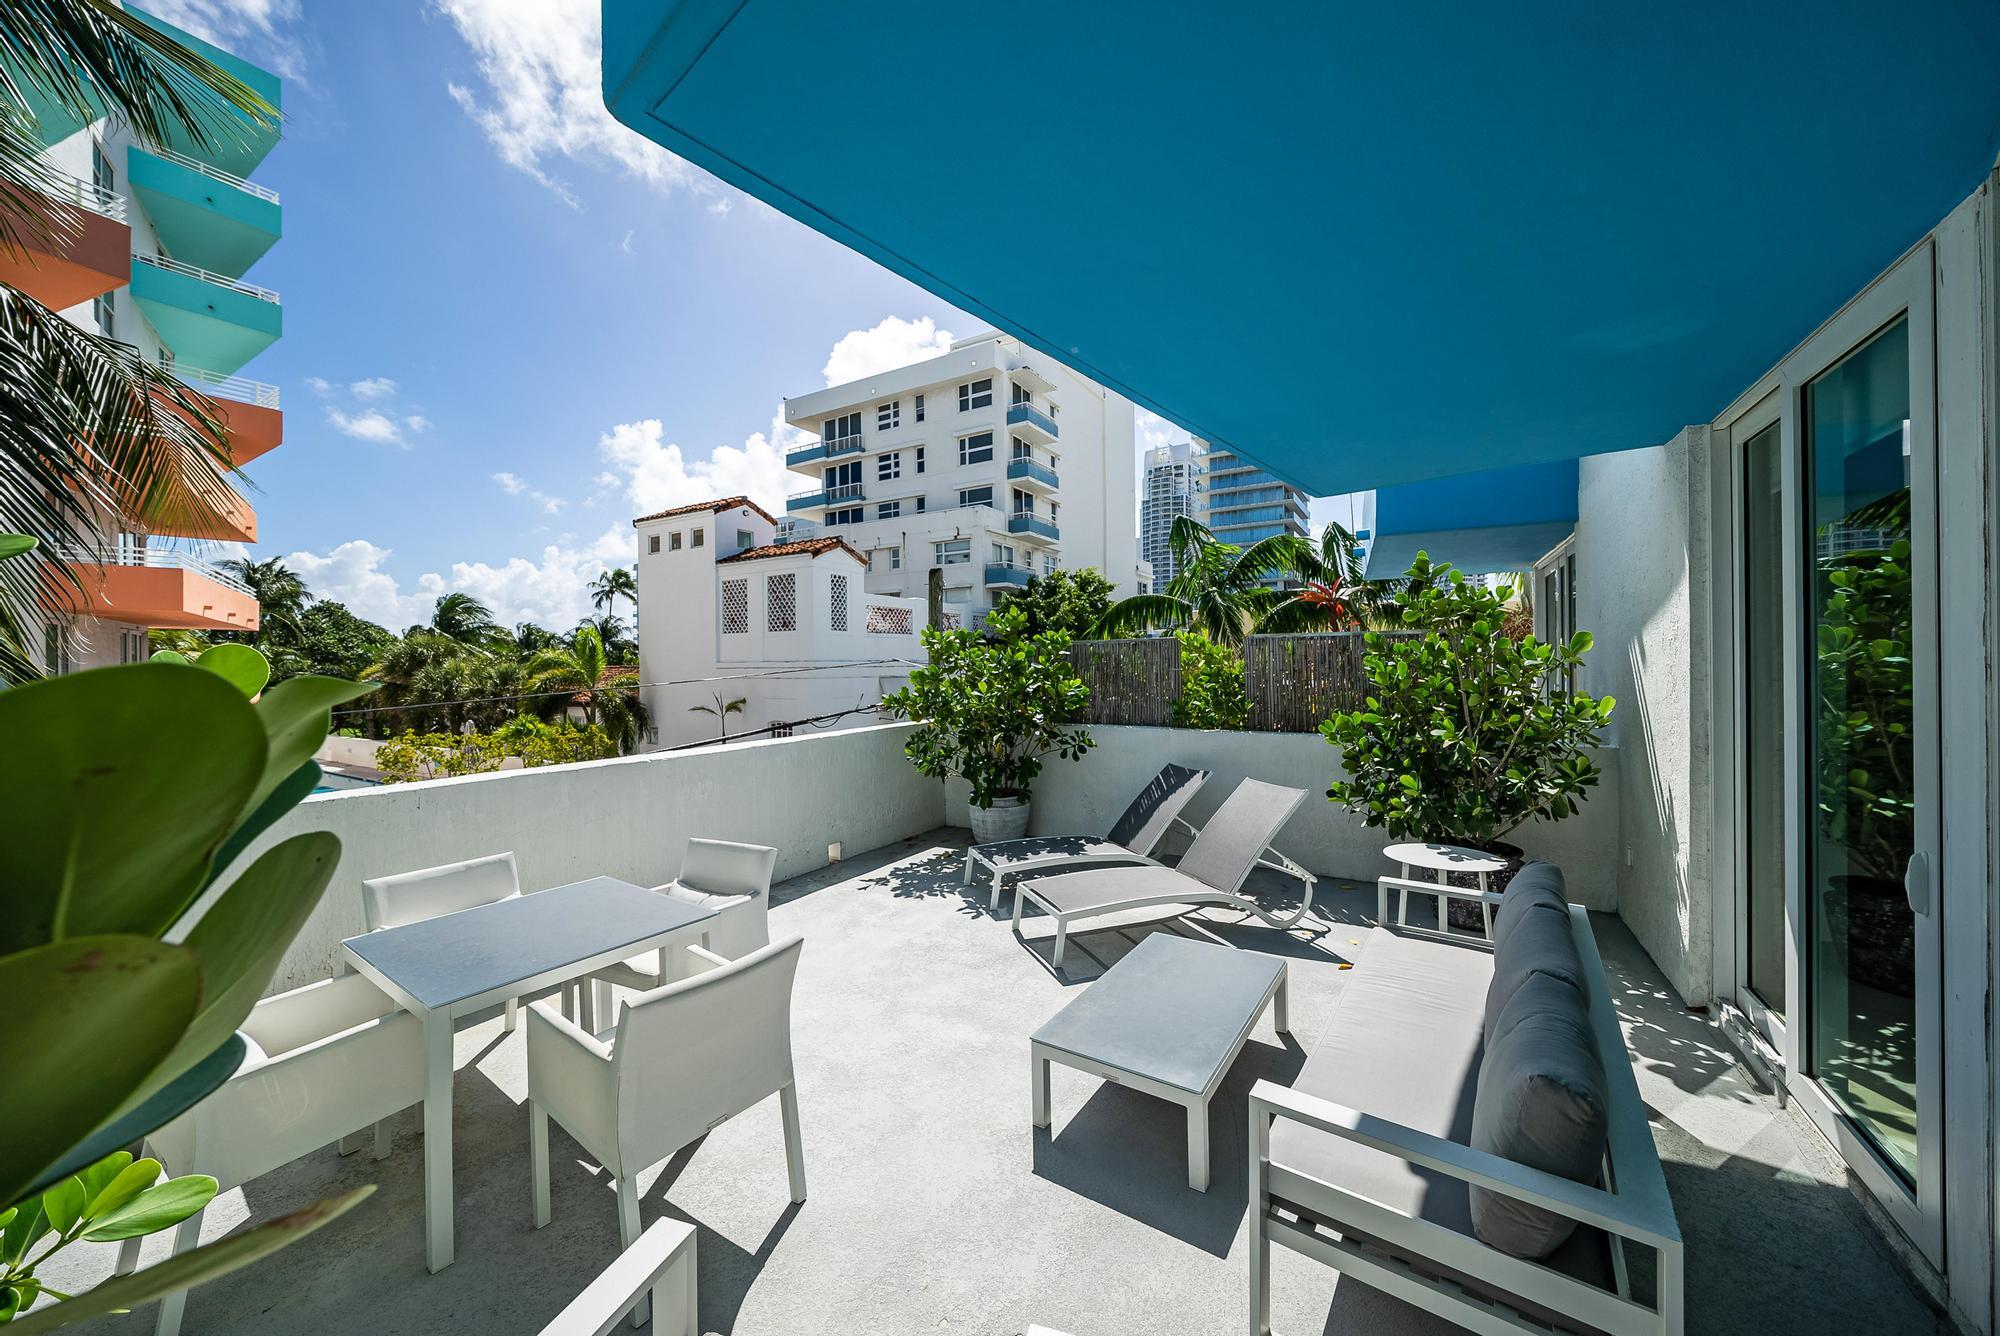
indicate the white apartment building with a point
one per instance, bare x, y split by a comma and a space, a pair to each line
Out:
992, 463
727, 611
1175, 485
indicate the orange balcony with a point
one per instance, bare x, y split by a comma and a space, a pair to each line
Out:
248, 408
165, 589
230, 521
91, 255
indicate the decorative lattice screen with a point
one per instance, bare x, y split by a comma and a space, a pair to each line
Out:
837, 612
884, 621
781, 602
735, 607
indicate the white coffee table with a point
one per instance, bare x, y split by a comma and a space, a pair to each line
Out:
1443, 859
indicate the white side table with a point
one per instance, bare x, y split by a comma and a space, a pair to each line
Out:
1443, 859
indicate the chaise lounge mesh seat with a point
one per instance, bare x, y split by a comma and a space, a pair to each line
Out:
1132, 839
1234, 841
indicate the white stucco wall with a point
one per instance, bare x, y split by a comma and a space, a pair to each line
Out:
1642, 591
1088, 795
627, 818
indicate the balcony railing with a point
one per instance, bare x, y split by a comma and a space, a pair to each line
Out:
843, 491
825, 449
215, 173
241, 389
1023, 468
1008, 573
153, 558
1027, 415
208, 276
1026, 521
67, 189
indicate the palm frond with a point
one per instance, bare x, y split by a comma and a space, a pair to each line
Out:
1139, 613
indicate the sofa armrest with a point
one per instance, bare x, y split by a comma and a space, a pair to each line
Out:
1588, 1205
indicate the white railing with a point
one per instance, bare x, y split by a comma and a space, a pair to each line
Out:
207, 276
67, 189
153, 558
216, 174
241, 389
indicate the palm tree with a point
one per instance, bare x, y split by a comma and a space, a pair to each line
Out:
466, 620
721, 710
421, 668
1336, 594
614, 584
88, 426
1219, 589
579, 674
281, 596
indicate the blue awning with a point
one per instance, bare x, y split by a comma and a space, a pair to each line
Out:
1361, 244
1500, 520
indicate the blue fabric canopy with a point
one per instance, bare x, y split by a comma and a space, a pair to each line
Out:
1361, 244
1502, 520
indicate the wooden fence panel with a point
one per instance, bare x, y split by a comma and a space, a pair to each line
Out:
1294, 681
1130, 681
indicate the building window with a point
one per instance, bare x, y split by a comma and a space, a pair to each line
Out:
696, 540
920, 459
781, 602
896, 558
889, 466
953, 551
920, 408
921, 503
841, 428
652, 543
102, 310
735, 607
745, 539
674, 541
976, 449
1022, 450
889, 510
837, 603
1021, 395
889, 416
975, 496
779, 729
975, 394
852, 515
1024, 502
1048, 563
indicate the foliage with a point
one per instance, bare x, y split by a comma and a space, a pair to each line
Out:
461, 618
1335, 593
333, 642
612, 585
1466, 733
409, 757
129, 791
992, 706
581, 674
1219, 589
721, 710
1864, 698
1212, 694
1070, 601
117, 1198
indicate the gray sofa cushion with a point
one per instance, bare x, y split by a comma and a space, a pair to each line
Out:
1542, 1101
1538, 941
1536, 886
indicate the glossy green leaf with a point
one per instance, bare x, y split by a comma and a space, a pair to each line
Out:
130, 1181
189, 1269
14, 544
172, 656
27, 1223
102, 1174
89, 1021
296, 715
64, 1203
119, 785
277, 802
239, 665
159, 1207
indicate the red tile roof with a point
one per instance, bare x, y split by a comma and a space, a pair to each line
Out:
813, 546
726, 503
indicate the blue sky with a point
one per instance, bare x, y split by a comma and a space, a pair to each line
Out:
511, 324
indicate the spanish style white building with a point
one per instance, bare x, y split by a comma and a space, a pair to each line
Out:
727, 612
1175, 486
992, 463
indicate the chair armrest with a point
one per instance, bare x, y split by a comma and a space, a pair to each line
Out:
570, 1078
302, 1016
1277, 862
665, 1245
562, 1030
705, 959
1552, 1192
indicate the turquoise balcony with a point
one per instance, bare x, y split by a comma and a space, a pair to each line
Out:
1034, 473
1007, 575
208, 319
812, 500
811, 450
236, 144
1031, 422
1029, 523
204, 216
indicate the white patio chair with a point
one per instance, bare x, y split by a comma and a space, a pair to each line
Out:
680, 1061
428, 893
662, 1261
1212, 872
1131, 839
735, 881
325, 1062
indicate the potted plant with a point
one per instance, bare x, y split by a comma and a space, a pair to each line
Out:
992, 707
1466, 732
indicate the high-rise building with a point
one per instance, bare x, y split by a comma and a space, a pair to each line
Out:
156, 239
1247, 504
991, 463
1174, 486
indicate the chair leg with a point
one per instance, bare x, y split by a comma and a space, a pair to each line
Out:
993, 901
186, 1238
1062, 941
628, 1231
513, 1015
128, 1257
795, 1150
538, 1160
352, 1142
382, 1140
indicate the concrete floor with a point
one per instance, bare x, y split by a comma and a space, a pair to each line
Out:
935, 1208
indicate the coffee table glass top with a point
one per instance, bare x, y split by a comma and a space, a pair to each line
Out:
458, 956
1173, 1010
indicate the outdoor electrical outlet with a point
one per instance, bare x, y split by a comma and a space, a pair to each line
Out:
833, 852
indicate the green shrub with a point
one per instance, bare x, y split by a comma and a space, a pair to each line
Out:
1212, 694
414, 756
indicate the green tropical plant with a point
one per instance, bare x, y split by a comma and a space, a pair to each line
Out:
612, 585
115, 1199
721, 710
1218, 588
409, 757
580, 674
1864, 699
1072, 601
129, 792
993, 706
1212, 694
461, 618
1334, 593
282, 597
1465, 733
87, 425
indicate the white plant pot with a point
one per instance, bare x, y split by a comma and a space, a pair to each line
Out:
1006, 819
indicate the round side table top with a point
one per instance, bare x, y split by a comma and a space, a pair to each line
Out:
1445, 858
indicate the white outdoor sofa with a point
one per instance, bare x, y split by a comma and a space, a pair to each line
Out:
1368, 1163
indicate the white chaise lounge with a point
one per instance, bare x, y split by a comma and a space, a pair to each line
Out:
1499, 1180
1131, 839
1211, 874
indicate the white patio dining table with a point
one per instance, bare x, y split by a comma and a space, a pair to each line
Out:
1442, 859
443, 968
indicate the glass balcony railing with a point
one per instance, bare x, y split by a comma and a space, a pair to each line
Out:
1025, 469
1027, 522
1029, 418
824, 449
1009, 574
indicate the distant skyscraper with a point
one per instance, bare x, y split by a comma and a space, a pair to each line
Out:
1173, 488
1247, 504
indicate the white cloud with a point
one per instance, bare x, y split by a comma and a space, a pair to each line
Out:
541, 62
514, 485
370, 424
352, 574
319, 384
892, 343
553, 589
719, 207
261, 31
656, 474
626, 244
417, 422
375, 387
